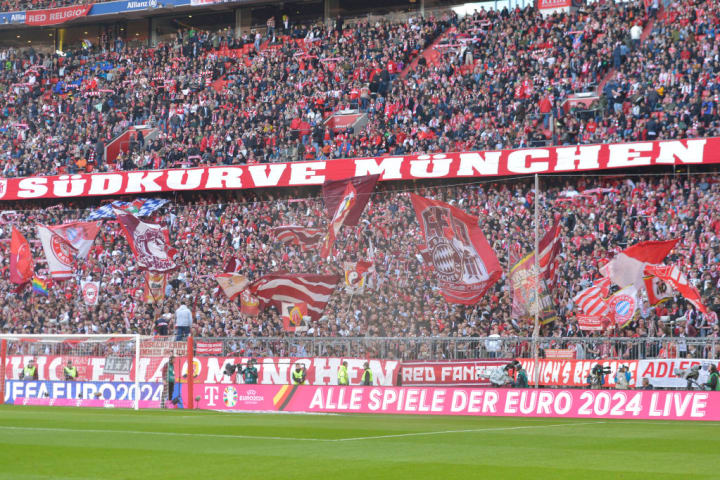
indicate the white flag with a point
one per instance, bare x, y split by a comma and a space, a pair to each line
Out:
58, 253
90, 292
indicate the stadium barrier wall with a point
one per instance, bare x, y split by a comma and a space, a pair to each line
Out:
573, 373
84, 402
578, 158
591, 404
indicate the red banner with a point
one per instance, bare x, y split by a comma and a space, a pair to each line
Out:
573, 373
467, 372
55, 16
272, 371
579, 158
553, 4
208, 348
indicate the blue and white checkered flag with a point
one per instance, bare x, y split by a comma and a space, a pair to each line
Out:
140, 208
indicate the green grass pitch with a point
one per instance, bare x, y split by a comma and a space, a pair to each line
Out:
98, 444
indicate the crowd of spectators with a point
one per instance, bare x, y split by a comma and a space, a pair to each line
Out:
499, 79
23, 5
402, 298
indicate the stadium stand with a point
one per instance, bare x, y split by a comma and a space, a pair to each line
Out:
246, 100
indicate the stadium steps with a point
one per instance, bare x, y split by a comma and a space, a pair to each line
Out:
431, 54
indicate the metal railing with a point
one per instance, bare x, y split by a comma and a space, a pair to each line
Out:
453, 348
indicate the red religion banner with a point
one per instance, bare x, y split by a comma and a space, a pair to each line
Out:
55, 16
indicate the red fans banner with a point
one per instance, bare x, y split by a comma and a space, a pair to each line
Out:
306, 238
21, 262
334, 192
55, 16
149, 243
592, 323
464, 263
524, 161
313, 290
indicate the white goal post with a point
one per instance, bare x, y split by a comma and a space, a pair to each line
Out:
123, 362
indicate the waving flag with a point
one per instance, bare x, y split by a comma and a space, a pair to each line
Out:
293, 315
140, 207
343, 210
90, 292
59, 254
249, 304
626, 268
623, 305
657, 290
592, 301
313, 290
232, 284
334, 192
306, 238
149, 243
549, 249
79, 235
464, 263
154, 289
21, 262
39, 285
355, 274
677, 279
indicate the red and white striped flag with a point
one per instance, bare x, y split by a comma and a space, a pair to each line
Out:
549, 248
343, 210
592, 301
313, 290
677, 279
306, 238
626, 268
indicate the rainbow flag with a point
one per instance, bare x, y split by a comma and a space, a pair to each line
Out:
39, 286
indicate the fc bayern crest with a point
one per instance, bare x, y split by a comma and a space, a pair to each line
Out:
61, 249
623, 306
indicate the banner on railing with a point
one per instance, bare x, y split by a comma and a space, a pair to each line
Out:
642, 404
272, 370
574, 373
442, 165
666, 373
55, 16
458, 372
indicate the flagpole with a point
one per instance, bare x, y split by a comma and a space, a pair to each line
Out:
536, 329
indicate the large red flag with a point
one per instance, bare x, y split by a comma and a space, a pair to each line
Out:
312, 290
334, 194
549, 249
343, 210
465, 264
148, 241
626, 268
21, 262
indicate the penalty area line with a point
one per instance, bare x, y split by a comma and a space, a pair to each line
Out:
469, 430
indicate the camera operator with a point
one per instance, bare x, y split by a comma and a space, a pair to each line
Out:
500, 376
596, 377
622, 378
714, 380
249, 373
691, 375
521, 378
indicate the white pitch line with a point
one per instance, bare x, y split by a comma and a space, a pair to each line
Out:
171, 434
471, 430
289, 439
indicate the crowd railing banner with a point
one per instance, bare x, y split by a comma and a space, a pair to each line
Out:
453, 372
593, 404
561, 159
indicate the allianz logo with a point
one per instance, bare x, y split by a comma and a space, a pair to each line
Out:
142, 4
19, 17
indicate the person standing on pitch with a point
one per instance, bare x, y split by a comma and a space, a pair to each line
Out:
367, 376
71, 372
298, 375
343, 376
171, 377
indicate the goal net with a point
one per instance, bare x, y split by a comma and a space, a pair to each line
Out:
87, 370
